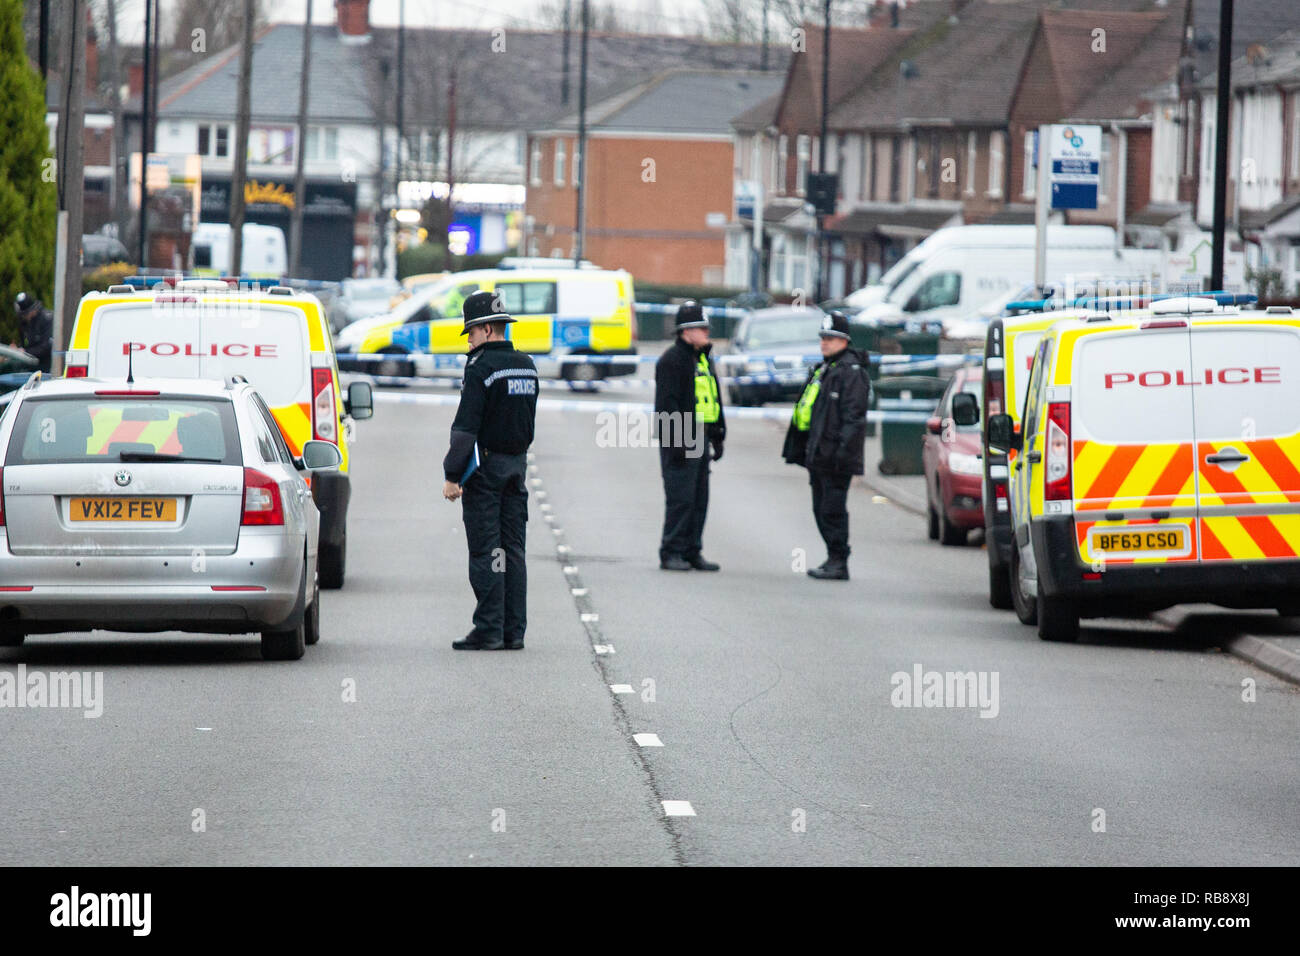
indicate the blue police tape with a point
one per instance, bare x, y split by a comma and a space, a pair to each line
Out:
889, 414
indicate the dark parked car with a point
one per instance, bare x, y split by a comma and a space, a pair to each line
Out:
951, 452
770, 346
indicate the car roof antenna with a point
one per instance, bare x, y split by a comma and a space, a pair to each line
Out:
130, 355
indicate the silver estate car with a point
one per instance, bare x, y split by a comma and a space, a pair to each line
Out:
156, 505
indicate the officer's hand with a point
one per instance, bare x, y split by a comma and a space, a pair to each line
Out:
717, 451
451, 491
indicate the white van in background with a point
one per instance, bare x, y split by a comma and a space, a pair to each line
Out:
950, 275
264, 256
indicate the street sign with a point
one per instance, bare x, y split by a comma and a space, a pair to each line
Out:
1075, 156
745, 194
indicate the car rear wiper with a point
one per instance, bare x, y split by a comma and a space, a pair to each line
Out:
158, 456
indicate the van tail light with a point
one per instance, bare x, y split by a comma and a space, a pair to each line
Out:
994, 388
325, 420
262, 504
1056, 485
75, 371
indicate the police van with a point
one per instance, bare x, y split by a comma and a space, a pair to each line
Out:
276, 338
561, 314
1157, 464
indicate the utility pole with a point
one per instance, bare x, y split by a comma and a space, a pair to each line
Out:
401, 91
1222, 105
43, 44
821, 161
146, 140
299, 172
239, 172
579, 223
71, 181
568, 28
764, 64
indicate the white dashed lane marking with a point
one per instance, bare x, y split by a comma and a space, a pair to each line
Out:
647, 740
678, 808
622, 688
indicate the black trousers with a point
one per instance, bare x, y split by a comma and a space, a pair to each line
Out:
686, 502
830, 497
495, 509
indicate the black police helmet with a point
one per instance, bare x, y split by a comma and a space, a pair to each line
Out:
835, 325
690, 315
24, 303
483, 306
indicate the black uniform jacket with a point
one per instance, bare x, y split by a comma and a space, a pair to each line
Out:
498, 406
837, 429
675, 392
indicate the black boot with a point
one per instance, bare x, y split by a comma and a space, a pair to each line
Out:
674, 562
835, 569
473, 641
700, 564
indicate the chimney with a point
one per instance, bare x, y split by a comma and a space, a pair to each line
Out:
92, 55
134, 79
353, 17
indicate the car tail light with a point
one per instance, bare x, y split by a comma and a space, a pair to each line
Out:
326, 419
261, 499
75, 371
2, 499
1000, 495
1057, 459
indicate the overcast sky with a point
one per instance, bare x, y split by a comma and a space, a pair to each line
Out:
672, 16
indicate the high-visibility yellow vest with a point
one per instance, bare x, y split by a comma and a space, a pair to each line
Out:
803, 408
707, 406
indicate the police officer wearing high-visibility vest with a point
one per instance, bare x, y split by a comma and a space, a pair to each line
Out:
827, 436
493, 427
688, 423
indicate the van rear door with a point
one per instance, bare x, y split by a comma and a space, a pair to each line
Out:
1131, 430
1247, 402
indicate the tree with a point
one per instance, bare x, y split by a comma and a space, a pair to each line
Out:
27, 188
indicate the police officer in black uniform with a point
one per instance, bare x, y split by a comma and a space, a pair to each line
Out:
827, 435
36, 326
688, 414
495, 420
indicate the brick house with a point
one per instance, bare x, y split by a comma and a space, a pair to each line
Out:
659, 176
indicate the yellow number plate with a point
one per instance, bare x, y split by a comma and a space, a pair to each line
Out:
123, 509
1127, 539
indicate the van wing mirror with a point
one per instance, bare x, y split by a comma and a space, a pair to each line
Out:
361, 401
1002, 433
965, 409
321, 456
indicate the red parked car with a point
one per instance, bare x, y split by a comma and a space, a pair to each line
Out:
954, 468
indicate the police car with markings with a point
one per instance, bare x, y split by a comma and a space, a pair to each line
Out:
1157, 464
277, 337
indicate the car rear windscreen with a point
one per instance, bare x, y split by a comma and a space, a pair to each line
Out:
182, 337
93, 429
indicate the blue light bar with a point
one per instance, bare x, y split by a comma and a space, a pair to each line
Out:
1125, 301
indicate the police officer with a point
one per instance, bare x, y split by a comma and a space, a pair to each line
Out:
495, 420
827, 435
688, 416
36, 327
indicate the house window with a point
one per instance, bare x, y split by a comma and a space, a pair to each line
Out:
971, 148
1029, 188
783, 165
1188, 131
577, 164
1207, 143
559, 163
1295, 134
997, 152
1103, 170
520, 146
535, 165
936, 163
895, 167
868, 169
322, 143
801, 170
214, 140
